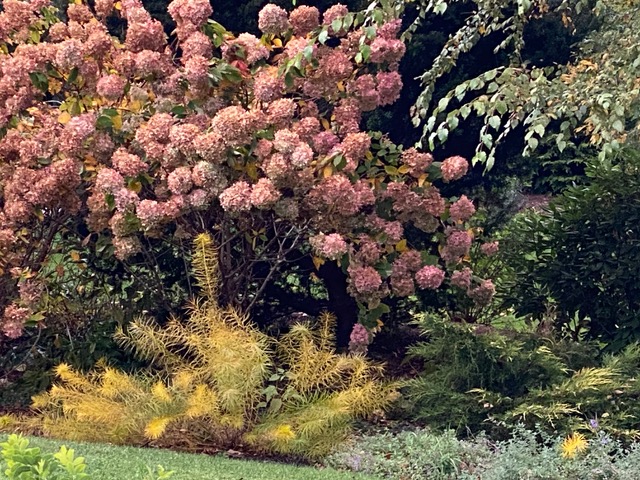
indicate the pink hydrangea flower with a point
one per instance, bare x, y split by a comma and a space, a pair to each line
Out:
179, 181
462, 278
457, 246
273, 19
236, 198
490, 248
359, 339
454, 168
462, 210
13, 320
483, 293
128, 164
389, 87
430, 277
364, 279
304, 19
111, 87
417, 162
264, 194
332, 246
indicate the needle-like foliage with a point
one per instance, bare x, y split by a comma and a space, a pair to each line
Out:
216, 382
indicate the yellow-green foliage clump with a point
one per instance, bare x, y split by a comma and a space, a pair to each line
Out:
215, 381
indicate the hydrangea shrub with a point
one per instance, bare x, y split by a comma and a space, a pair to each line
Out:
256, 140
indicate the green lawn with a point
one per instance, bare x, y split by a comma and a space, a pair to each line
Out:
108, 462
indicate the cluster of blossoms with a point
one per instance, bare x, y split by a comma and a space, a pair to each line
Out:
169, 139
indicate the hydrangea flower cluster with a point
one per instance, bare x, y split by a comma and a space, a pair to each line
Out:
213, 130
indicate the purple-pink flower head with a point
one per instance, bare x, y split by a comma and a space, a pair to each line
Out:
454, 168
304, 19
430, 277
273, 20
264, 194
332, 246
490, 248
462, 278
236, 198
462, 210
365, 280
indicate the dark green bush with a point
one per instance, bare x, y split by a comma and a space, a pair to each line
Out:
582, 255
477, 378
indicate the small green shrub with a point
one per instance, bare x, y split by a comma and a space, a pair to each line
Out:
410, 455
24, 463
583, 253
478, 378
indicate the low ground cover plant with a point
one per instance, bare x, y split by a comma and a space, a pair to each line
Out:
527, 454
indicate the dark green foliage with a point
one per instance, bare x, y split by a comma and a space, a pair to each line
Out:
479, 378
92, 295
582, 255
459, 357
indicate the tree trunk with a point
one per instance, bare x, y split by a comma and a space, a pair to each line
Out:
341, 303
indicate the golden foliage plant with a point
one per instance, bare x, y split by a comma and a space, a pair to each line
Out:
214, 381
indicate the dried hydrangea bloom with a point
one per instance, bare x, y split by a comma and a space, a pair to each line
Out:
359, 339
389, 86
195, 12
252, 50
196, 44
268, 86
365, 280
273, 20
490, 248
264, 194
126, 247
128, 164
236, 198
331, 246
304, 19
179, 181
462, 210
109, 181
457, 246
111, 87
430, 277
13, 320
417, 162
483, 293
454, 168
462, 278
333, 13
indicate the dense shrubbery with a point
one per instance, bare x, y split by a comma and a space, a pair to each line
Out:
137, 143
581, 256
477, 377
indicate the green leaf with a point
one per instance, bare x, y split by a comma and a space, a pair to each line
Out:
618, 126
494, 121
40, 81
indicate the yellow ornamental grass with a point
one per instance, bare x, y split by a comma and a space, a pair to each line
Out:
156, 427
213, 374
